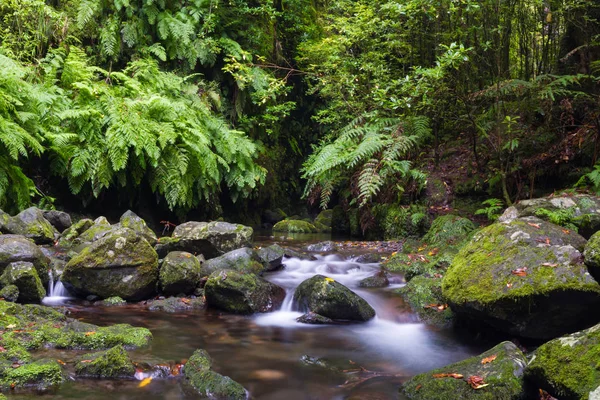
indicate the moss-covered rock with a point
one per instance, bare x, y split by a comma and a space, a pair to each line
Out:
31, 224
70, 234
271, 256
424, 295
23, 275
209, 384
122, 263
323, 221
503, 375
448, 230
294, 226
243, 260
59, 219
524, 277
9, 293
111, 302
591, 255
580, 211
176, 304
380, 279
40, 375
113, 363
96, 231
314, 319
273, 216
211, 239
15, 248
331, 299
568, 367
180, 272
242, 293
131, 220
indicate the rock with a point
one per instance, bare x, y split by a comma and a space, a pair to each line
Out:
580, 211
113, 363
324, 220
180, 272
378, 280
424, 295
448, 230
591, 255
567, 367
15, 248
553, 295
59, 219
369, 258
273, 216
31, 224
503, 375
211, 239
121, 263
71, 233
294, 226
176, 304
132, 221
340, 220
209, 384
322, 247
23, 275
242, 293
243, 260
331, 299
271, 257
96, 231
298, 254
9, 293
111, 302
314, 319
39, 375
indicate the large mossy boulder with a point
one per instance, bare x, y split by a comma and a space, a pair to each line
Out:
580, 211
242, 293
39, 375
242, 260
525, 277
71, 233
208, 383
501, 368
24, 276
113, 363
568, 367
331, 299
96, 231
131, 220
424, 295
14, 248
180, 272
122, 263
31, 224
272, 256
294, 226
211, 239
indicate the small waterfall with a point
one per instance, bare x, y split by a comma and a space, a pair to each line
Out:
57, 292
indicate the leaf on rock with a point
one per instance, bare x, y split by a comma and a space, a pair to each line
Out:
90, 333
448, 375
546, 396
549, 265
145, 382
489, 359
519, 271
536, 226
476, 382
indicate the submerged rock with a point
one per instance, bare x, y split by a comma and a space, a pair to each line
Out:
525, 277
131, 220
322, 247
31, 224
272, 256
121, 263
242, 293
380, 279
23, 275
331, 299
314, 319
207, 383
503, 376
15, 248
242, 260
210, 239
180, 272
567, 367
176, 304
113, 363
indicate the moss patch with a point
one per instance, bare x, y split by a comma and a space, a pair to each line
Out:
294, 226
112, 363
207, 382
422, 292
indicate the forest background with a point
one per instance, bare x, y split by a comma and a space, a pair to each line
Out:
386, 111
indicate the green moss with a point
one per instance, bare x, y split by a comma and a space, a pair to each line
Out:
40, 374
9, 293
112, 363
208, 383
24, 275
113, 301
568, 367
294, 226
421, 292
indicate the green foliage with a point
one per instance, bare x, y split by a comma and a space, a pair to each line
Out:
492, 209
448, 230
562, 216
591, 179
397, 222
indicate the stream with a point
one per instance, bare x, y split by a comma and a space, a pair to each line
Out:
264, 352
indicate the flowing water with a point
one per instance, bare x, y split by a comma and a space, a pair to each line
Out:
264, 352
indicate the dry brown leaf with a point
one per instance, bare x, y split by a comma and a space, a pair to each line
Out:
419, 386
476, 382
446, 375
519, 271
61, 362
536, 226
489, 359
509, 285
549, 265
90, 333
86, 361
566, 231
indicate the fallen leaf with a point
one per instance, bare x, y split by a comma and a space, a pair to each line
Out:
2, 349
11, 326
451, 375
438, 275
549, 265
476, 382
519, 271
186, 301
418, 387
489, 359
61, 362
566, 231
16, 365
145, 382
536, 226
90, 333
86, 361
329, 280
509, 285
546, 396
438, 307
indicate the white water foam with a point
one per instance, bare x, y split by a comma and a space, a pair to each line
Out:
57, 293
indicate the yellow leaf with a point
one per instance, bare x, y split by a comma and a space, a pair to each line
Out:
145, 382
11, 326
329, 280
90, 333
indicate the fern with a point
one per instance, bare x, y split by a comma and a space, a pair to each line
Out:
492, 209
